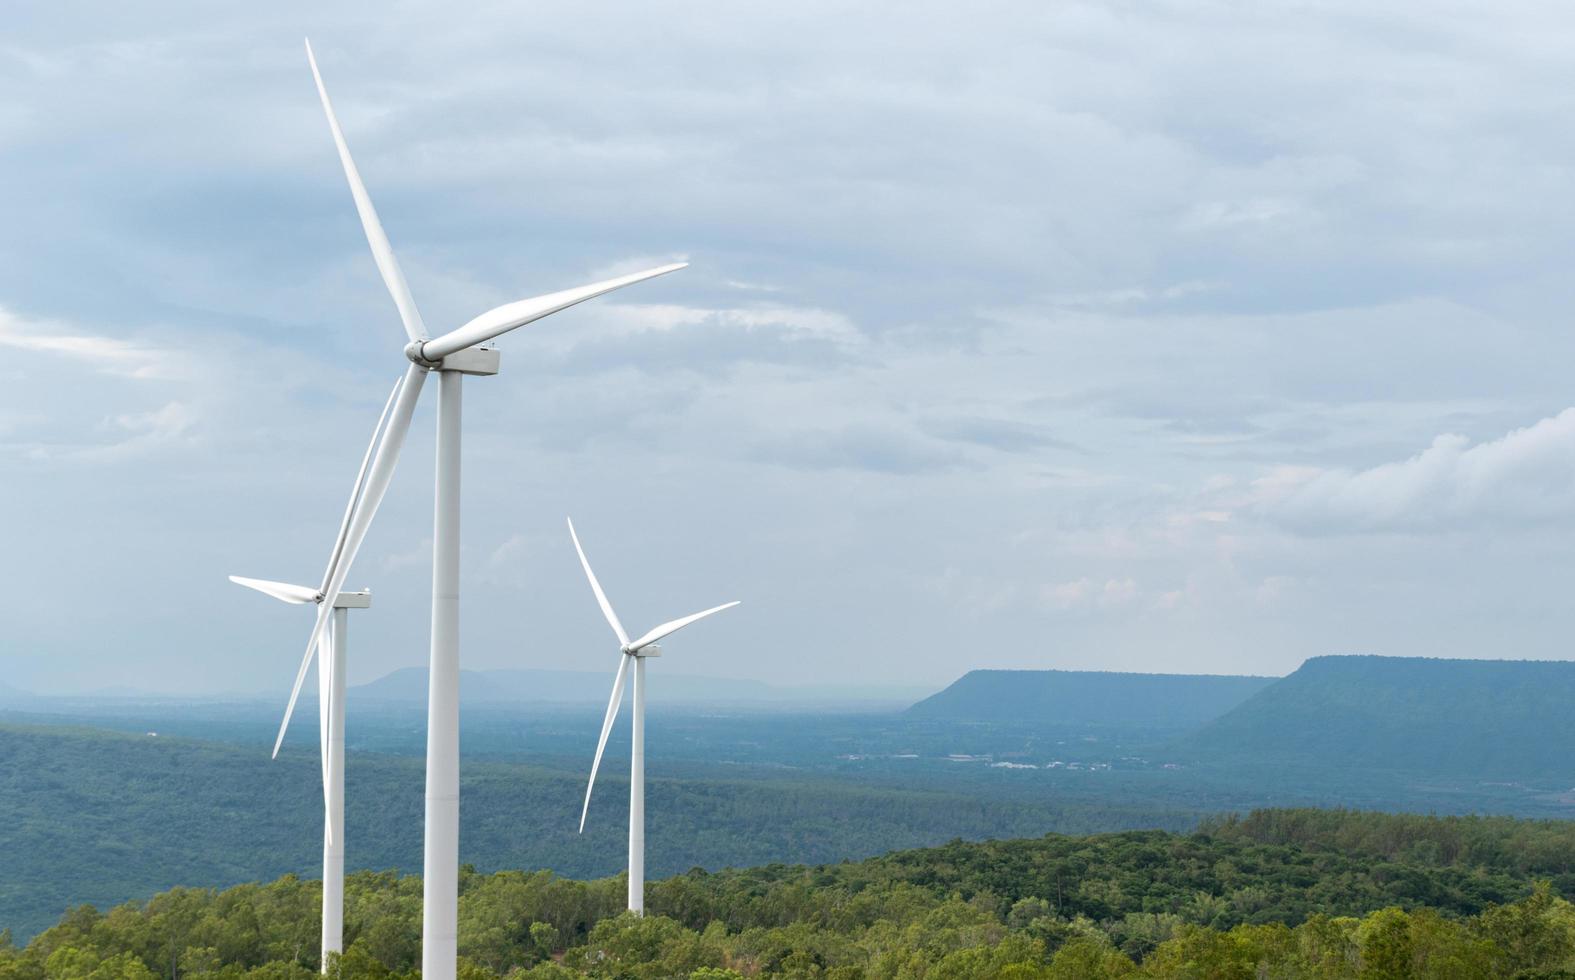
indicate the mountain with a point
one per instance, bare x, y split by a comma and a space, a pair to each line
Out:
1496, 719
409, 684
1082, 697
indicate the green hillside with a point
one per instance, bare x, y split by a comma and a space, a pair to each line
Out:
1414, 897
90, 816
1095, 698
1496, 719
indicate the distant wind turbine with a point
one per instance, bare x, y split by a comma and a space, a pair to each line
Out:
331, 744
636, 651
331, 651
452, 355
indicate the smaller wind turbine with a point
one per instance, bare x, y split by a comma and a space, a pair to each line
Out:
331, 743
331, 648
637, 651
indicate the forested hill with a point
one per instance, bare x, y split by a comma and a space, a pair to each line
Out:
1082, 697
1282, 894
1497, 719
92, 816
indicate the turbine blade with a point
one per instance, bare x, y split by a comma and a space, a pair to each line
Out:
669, 628
607, 723
596, 587
324, 612
360, 483
283, 591
382, 252
383, 463
504, 318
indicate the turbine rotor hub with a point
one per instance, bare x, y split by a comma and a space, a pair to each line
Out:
413, 350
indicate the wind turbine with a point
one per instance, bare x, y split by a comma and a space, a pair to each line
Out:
452, 355
331, 743
636, 651
331, 650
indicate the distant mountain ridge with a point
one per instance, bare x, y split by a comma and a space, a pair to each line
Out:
1494, 718
1085, 697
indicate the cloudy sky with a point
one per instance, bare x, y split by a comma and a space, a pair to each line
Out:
1182, 336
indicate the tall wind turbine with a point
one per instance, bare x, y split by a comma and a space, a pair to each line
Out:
452, 355
636, 651
331, 651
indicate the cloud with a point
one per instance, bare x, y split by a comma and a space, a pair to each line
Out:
130, 435
1218, 215
1005, 435
1525, 476
661, 339
1131, 297
973, 595
170, 425
1086, 593
418, 556
108, 355
878, 449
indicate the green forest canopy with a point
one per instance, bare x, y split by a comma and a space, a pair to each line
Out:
1285, 894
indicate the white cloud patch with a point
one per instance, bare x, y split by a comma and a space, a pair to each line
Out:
127, 436
106, 354
1526, 475
173, 424
1235, 214
1089, 593
792, 321
972, 595
415, 557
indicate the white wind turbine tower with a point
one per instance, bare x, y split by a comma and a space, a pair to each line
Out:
331, 743
636, 651
331, 651
452, 355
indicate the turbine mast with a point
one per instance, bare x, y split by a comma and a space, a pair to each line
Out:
440, 861
334, 772
637, 787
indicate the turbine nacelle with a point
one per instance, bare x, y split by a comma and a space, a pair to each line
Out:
649, 650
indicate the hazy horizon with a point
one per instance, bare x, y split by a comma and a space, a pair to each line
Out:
672, 687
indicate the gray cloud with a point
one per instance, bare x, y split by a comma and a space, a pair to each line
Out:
880, 450
1006, 435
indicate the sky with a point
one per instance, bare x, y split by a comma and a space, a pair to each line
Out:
1190, 336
